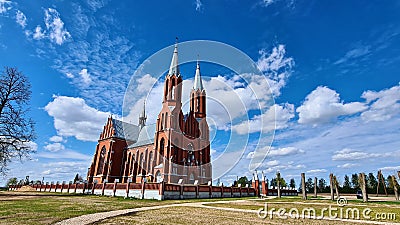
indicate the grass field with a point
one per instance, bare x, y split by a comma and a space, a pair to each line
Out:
48, 208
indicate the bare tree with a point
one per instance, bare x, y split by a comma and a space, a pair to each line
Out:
16, 129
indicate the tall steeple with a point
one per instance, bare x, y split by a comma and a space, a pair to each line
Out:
143, 117
174, 67
198, 83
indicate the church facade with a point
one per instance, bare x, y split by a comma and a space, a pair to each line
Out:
174, 149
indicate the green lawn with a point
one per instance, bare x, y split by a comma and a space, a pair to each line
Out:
48, 208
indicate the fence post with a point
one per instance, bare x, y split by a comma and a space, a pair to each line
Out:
331, 185
127, 189
303, 186
102, 188
210, 189
93, 187
75, 187
69, 186
115, 188
315, 187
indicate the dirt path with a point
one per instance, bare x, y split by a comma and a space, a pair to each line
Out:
96, 217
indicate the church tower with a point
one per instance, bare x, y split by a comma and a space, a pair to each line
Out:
143, 117
198, 96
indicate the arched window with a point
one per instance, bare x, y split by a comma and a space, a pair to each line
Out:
191, 177
162, 121
101, 160
141, 159
162, 145
150, 162
193, 101
166, 120
158, 177
166, 87
198, 104
173, 90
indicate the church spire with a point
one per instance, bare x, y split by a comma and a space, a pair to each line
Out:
198, 83
143, 117
174, 67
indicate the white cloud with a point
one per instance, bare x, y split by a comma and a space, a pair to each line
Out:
323, 105
272, 163
66, 154
56, 139
38, 33
69, 75
21, 19
55, 27
199, 5
276, 117
390, 168
348, 165
145, 83
285, 151
277, 66
384, 104
54, 147
266, 3
73, 117
314, 171
347, 154
5, 6
354, 53
85, 76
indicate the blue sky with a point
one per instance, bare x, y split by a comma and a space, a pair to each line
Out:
333, 68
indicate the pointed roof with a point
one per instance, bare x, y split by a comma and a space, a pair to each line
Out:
143, 115
198, 83
174, 67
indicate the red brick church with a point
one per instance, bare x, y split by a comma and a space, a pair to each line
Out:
176, 148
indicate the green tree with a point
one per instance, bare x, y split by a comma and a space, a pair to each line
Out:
243, 181
347, 185
282, 182
322, 185
77, 178
292, 183
12, 181
309, 185
371, 181
354, 181
16, 128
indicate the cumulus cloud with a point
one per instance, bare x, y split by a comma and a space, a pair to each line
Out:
199, 5
276, 117
74, 118
69, 75
54, 147
56, 139
5, 6
274, 152
38, 33
55, 26
85, 76
277, 66
348, 165
21, 18
314, 171
347, 154
324, 105
384, 104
